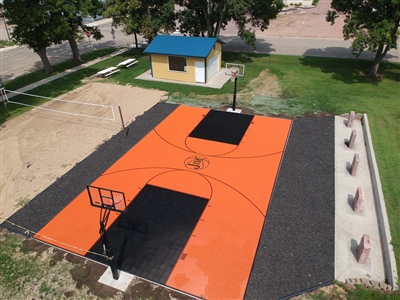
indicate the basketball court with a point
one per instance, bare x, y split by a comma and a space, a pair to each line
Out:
193, 188
197, 190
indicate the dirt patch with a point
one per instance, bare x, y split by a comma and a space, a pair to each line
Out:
266, 84
39, 271
42, 145
333, 291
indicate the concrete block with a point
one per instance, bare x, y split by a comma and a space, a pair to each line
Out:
121, 284
354, 165
351, 118
358, 204
375, 284
387, 287
352, 138
363, 249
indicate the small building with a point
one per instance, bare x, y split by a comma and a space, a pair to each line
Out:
184, 58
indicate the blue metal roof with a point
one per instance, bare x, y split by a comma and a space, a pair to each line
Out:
178, 45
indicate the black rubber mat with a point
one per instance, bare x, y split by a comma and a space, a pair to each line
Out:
149, 237
296, 250
224, 127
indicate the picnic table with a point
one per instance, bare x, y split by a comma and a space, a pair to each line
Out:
107, 72
128, 63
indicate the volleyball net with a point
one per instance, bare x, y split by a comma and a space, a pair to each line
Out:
68, 107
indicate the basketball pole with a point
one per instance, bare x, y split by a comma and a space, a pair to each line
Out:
106, 244
234, 95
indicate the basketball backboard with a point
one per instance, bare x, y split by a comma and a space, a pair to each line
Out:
107, 199
238, 69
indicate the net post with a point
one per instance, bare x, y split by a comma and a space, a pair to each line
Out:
123, 123
3, 99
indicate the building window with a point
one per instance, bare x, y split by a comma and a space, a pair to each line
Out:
177, 63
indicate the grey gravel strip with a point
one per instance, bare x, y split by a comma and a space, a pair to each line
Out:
296, 249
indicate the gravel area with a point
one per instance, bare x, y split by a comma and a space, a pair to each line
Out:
296, 249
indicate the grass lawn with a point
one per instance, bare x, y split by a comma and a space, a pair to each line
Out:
309, 85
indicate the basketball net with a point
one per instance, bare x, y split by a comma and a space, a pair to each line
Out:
234, 72
117, 201
233, 76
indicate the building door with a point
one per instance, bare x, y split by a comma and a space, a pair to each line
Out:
200, 74
213, 65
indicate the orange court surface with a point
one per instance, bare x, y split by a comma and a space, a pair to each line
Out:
197, 190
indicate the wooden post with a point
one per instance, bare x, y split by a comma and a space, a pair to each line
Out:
2, 92
122, 120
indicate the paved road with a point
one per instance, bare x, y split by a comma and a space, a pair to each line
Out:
306, 46
20, 60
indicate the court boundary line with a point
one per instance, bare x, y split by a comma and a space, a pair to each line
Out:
62, 100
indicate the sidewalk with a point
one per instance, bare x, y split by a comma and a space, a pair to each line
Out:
66, 72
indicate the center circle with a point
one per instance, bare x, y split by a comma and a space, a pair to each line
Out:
196, 162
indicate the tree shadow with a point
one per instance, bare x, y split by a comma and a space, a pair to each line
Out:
7, 77
37, 66
236, 44
345, 67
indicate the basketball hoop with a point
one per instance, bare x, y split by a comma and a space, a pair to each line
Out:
118, 198
234, 72
107, 200
109, 204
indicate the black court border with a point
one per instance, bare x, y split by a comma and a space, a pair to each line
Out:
298, 233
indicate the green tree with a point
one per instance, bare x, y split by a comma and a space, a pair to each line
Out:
207, 17
146, 17
33, 26
70, 15
372, 24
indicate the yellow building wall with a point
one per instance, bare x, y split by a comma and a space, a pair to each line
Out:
160, 68
218, 49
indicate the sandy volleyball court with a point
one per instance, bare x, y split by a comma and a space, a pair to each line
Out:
40, 146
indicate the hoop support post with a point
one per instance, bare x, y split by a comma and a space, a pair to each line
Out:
106, 244
234, 95
107, 200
